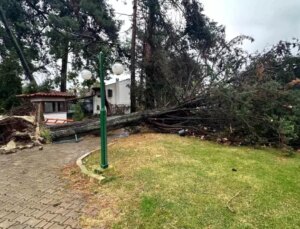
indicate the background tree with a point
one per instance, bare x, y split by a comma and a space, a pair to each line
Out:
21, 34
133, 59
43, 32
80, 29
10, 83
180, 58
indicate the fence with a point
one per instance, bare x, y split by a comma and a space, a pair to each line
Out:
119, 109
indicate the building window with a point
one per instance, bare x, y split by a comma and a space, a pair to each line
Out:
51, 107
110, 93
61, 107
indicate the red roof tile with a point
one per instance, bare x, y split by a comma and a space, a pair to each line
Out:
47, 94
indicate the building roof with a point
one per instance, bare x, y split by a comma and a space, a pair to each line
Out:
109, 82
47, 94
118, 79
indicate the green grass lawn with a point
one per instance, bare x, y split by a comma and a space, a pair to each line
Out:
166, 181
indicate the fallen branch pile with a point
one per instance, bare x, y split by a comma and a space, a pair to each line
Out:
26, 109
17, 132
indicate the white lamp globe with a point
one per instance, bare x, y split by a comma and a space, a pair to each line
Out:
117, 68
86, 74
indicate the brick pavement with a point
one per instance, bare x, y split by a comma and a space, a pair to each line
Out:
32, 194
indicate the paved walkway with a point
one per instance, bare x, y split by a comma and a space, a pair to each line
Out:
32, 194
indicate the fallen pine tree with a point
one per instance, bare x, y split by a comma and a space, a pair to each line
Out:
257, 106
262, 115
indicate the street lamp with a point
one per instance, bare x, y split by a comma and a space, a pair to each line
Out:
117, 69
86, 74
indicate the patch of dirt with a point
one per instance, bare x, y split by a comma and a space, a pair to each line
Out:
101, 207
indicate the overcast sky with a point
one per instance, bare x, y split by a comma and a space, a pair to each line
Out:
267, 21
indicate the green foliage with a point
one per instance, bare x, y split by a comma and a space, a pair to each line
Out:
46, 86
10, 84
46, 134
75, 29
201, 31
257, 106
178, 62
24, 25
261, 113
78, 112
29, 89
50, 30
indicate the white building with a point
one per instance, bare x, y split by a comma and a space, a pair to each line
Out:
117, 94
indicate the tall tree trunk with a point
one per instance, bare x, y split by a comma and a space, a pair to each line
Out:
148, 60
141, 97
149, 84
19, 51
133, 60
64, 67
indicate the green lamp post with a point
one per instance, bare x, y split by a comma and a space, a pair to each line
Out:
117, 69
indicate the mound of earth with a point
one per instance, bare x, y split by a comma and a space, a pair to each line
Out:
17, 132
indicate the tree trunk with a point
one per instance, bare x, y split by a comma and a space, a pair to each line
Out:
149, 89
19, 51
88, 126
150, 116
141, 97
64, 67
133, 60
148, 60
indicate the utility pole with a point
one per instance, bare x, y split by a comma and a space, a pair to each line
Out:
133, 60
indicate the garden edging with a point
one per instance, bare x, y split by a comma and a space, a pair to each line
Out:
84, 170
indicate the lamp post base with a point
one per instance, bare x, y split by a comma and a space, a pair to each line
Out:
101, 170
104, 166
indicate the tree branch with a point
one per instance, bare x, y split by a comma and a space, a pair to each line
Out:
19, 51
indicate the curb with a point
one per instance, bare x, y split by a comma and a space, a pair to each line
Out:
84, 170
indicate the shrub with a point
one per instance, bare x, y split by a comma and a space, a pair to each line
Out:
78, 112
46, 134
